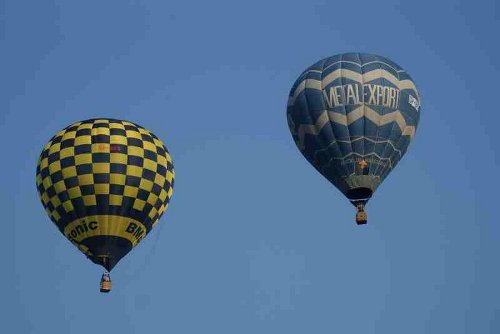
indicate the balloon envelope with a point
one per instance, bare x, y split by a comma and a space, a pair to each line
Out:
353, 116
105, 183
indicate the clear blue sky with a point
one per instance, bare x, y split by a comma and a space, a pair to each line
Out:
255, 241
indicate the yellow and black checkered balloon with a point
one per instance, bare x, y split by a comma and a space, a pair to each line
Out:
105, 183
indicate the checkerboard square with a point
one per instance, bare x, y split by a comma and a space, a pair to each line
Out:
117, 178
130, 191
120, 158
67, 143
101, 189
137, 151
115, 200
100, 167
117, 140
83, 169
134, 171
54, 166
133, 134
146, 185
83, 159
139, 204
67, 152
68, 206
89, 200
149, 146
74, 192
54, 148
85, 179
150, 165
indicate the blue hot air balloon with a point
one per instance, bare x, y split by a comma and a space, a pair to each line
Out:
353, 116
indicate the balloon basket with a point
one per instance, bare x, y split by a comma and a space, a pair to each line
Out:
361, 216
105, 285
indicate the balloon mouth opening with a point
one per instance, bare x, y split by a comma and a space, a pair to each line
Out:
358, 194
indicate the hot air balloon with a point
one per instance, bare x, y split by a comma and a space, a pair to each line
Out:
353, 116
105, 183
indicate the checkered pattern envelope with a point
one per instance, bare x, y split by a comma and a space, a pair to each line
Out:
105, 183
